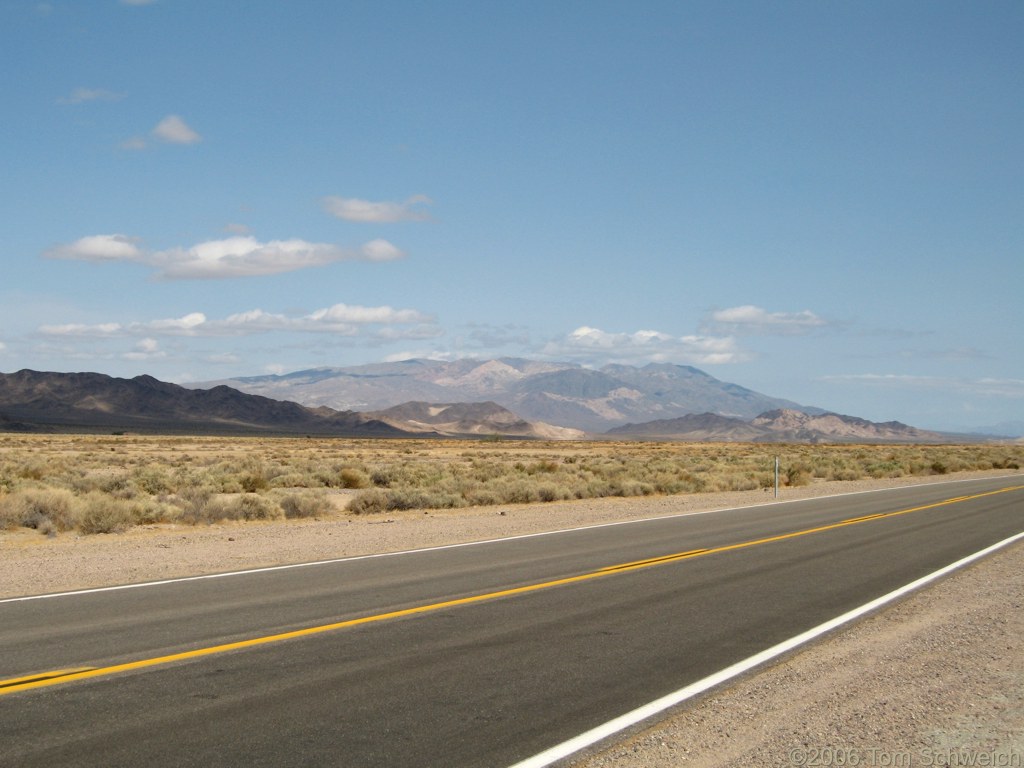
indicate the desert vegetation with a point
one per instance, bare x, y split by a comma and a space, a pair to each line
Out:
106, 484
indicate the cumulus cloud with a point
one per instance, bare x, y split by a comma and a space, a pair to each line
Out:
354, 209
173, 130
339, 319
751, 320
99, 248
240, 256
652, 346
83, 95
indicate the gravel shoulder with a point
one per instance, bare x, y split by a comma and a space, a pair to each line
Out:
933, 680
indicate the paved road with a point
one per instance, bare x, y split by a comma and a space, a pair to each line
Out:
467, 656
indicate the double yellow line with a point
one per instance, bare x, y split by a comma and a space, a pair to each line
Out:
59, 677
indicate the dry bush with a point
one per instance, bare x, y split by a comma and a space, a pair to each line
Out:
197, 506
252, 506
105, 514
369, 503
353, 477
306, 504
48, 510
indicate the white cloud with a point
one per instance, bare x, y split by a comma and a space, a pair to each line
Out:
340, 319
83, 95
240, 256
188, 324
173, 130
246, 256
345, 313
751, 320
652, 346
354, 209
99, 248
380, 250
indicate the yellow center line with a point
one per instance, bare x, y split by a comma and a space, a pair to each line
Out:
42, 676
59, 677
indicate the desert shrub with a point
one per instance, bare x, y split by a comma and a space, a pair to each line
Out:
105, 514
383, 478
253, 476
197, 506
798, 475
481, 497
306, 504
48, 510
553, 492
33, 469
517, 491
352, 477
846, 474
369, 503
252, 506
152, 480
149, 510
884, 469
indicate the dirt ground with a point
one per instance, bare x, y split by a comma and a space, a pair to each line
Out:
937, 679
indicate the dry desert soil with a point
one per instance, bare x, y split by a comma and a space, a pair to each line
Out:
935, 680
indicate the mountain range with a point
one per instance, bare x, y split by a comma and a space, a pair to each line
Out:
562, 394
63, 402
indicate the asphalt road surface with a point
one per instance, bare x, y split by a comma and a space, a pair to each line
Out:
478, 655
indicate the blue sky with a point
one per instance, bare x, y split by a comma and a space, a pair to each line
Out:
822, 201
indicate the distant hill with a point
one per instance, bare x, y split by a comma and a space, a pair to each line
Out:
53, 402
782, 425
32, 401
468, 419
562, 394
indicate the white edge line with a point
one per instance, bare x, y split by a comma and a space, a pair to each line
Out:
353, 558
629, 719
